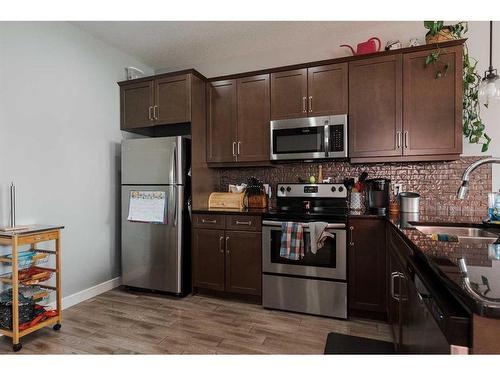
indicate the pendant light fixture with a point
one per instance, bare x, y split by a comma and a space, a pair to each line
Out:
489, 89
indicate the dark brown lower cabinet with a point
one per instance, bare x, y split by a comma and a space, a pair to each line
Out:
243, 262
366, 256
414, 328
396, 317
227, 260
208, 258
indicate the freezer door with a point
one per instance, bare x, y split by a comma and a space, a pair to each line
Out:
153, 161
152, 253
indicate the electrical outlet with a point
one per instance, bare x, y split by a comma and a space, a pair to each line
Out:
397, 188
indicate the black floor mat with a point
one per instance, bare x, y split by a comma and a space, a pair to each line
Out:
337, 343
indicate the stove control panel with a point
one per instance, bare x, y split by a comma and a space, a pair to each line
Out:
312, 190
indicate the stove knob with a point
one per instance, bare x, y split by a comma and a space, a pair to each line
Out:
334, 189
282, 189
288, 189
341, 189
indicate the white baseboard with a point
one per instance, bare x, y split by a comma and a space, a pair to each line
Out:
91, 292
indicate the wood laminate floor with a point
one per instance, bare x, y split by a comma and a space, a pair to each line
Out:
122, 322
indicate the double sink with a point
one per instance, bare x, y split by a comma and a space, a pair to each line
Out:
465, 233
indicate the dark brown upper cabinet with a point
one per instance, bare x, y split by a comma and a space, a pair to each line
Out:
327, 88
136, 103
173, 99
315, 91
375, 110
159, 101
253, 108
238, 121
400, 110
221, 121
289, 94
432, 119
367, 268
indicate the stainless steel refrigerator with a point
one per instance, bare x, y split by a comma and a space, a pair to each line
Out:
156, 256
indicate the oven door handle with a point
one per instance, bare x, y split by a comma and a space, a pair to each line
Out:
270, 223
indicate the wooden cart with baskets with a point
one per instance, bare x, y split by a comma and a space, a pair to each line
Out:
27, 276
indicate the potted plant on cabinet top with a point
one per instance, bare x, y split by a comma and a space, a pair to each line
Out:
473, 126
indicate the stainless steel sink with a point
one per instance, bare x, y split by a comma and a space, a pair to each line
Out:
463, 233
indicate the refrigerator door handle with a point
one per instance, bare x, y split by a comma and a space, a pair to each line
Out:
176, 198
174, 173
174, 165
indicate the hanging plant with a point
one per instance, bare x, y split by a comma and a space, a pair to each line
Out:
473, 126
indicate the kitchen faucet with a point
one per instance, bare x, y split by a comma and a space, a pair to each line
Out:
464, 188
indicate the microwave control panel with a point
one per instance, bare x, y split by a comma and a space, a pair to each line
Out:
336, 138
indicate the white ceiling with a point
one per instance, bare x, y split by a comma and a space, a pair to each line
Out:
218, 48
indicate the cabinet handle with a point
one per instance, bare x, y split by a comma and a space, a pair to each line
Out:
401, 296
155, 108
234, 147
398, 139
393, 276
310, 104
221, 246
243, 222
208, 221
227, 245
351, 236
149, 112
304, 104
406, 139
238, 149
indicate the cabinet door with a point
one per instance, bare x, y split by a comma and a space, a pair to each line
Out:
289, 94
253, 118
432, 106
367, 268
327, 90
208, 258
221, 129
393, 304
173, 99
243, 262
375, 107
136, 104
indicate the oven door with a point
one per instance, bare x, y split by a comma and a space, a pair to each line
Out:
329, 262
301, 138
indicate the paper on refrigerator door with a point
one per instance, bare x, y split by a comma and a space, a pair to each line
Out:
147, 207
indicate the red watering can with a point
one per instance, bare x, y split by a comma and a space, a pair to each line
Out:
365, 47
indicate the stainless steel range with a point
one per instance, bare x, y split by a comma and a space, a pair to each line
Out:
315, 283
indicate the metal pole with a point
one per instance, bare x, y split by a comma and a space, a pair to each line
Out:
491, 46
12, 205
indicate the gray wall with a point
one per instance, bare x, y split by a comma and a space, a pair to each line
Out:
59, 141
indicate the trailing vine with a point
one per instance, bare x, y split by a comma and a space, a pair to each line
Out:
473, 126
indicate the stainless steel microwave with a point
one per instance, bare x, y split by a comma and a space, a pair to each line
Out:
322, 137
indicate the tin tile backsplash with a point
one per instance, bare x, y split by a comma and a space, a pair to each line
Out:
436, 182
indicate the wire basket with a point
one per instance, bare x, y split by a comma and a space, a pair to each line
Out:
26, 309
29, 276
36, 293
29, 258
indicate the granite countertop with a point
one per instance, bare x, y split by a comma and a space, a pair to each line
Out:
231, 211
481, 256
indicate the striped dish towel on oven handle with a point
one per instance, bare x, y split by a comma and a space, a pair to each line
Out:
292, 240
